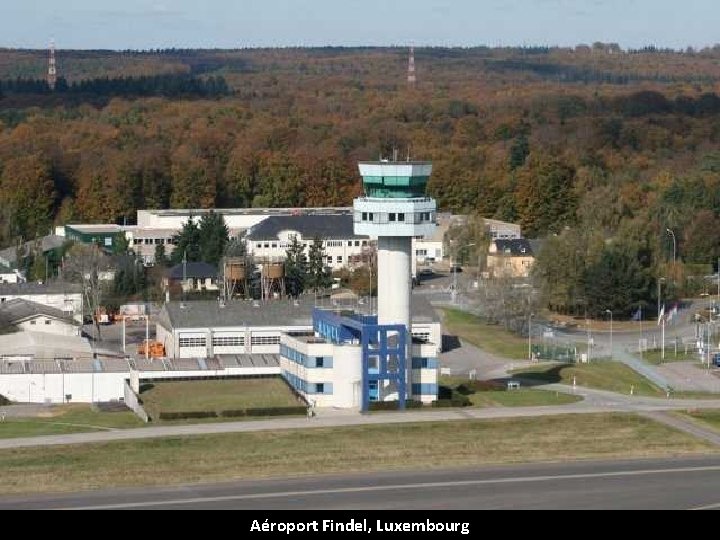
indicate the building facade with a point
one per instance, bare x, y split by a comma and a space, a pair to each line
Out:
510, 258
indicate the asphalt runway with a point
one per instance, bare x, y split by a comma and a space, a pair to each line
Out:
681, 483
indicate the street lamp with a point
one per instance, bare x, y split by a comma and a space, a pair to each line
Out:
671, 233
611, 332
530, 337
454, 271
660, 281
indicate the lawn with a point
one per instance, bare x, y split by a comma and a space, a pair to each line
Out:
491, 338
655, 356
603, 375
523, 397
60, 419
708, 417
217, 395
226, 457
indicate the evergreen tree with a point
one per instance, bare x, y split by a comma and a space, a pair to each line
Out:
213, 236
187, 243
161, 258
318, 276
295, 268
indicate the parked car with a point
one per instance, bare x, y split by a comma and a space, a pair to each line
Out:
426, 272
455, 269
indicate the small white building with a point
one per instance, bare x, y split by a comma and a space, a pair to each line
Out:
65, 297
30, 316
9, 275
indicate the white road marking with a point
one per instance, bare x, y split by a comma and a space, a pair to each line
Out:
421, 485
708, 507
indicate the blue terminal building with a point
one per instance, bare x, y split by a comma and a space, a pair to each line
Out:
353, 359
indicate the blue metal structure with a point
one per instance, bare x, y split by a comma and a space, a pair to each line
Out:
383, 349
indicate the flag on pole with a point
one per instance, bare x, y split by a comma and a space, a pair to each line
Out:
673, 313
661, 316
638, 315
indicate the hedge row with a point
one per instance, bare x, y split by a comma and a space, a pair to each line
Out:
266, 411
456, 402
393, 405
4, 400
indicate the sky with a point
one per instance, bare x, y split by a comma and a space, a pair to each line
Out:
147, 24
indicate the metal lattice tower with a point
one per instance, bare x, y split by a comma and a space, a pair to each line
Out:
412, 77
52, 68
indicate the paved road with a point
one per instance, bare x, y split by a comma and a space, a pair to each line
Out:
681, 483
595, 402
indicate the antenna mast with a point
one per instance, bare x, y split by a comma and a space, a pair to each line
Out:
52, 67
412, 78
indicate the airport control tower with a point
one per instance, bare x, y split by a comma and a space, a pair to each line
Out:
395, 209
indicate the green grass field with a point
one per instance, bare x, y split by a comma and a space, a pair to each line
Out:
323, 450
60, 419
217, 395
603, 375
523, 397
491, 338
655, 356
710, 418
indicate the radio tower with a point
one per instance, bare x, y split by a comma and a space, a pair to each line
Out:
412, 78
52, 68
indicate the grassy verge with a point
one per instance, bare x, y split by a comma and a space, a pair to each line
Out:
216, 395
603, 375
321, 451
655, 357
523, 397
59, 419
491, 338
710, 418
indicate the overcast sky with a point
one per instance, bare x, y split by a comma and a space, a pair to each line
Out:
143, 24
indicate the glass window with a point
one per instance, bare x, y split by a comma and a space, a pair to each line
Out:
320, 388
364, 216
339, 259
319, 362
401, 217
329, 259
392, 217
357, 243
371, 217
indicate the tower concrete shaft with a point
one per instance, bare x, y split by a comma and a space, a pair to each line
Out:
394, 280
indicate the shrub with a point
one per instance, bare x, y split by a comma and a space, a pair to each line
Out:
276, 411
4, 400
456, 402
182, 415
233, 413
444, 392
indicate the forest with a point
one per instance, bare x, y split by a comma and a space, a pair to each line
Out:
599, 150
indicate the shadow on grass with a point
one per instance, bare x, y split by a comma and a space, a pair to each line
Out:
551, 375
450, 343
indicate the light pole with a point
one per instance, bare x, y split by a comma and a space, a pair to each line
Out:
530, 337
611, 332
454, 271
660, 281
671, 233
